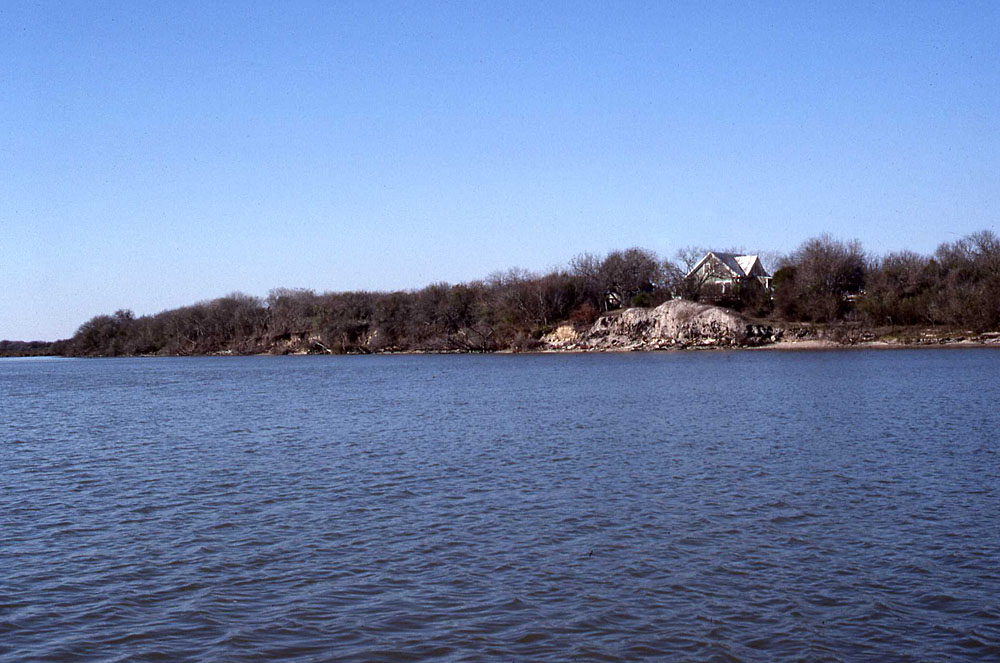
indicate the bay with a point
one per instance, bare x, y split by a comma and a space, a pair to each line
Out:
730, 506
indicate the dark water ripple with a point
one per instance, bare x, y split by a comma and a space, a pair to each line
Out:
703, 507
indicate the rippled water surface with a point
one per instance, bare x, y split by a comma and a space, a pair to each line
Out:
837, 506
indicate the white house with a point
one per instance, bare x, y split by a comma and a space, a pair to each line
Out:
724, 270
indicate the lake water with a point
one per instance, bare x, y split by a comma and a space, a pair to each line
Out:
715, 506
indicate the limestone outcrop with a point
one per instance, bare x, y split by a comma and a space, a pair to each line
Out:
676, 323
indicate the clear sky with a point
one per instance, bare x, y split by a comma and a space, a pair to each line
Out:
154, 154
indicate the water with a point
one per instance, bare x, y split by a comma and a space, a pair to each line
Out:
829, 506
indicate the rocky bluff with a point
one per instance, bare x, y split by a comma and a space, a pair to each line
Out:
676, 323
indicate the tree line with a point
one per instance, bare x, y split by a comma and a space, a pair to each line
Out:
508, 310
827, 280
824, 280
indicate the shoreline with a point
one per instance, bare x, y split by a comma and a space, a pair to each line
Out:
780, 346
795, 346
812, 345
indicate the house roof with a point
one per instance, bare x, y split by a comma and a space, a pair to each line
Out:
746, 263
740, 266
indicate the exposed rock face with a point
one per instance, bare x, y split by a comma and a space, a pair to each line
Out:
563, 334
676, 323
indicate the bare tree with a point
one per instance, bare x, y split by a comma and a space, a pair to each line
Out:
689, 256
625, 274
899, 289
817, 280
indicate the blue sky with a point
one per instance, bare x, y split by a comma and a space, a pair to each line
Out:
157, 154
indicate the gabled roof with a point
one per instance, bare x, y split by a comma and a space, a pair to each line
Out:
740, 266
746, 263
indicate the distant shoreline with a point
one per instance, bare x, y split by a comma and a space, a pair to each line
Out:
797, 346
673, 325
780, 346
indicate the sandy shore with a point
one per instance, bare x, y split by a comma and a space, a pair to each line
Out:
871, 345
